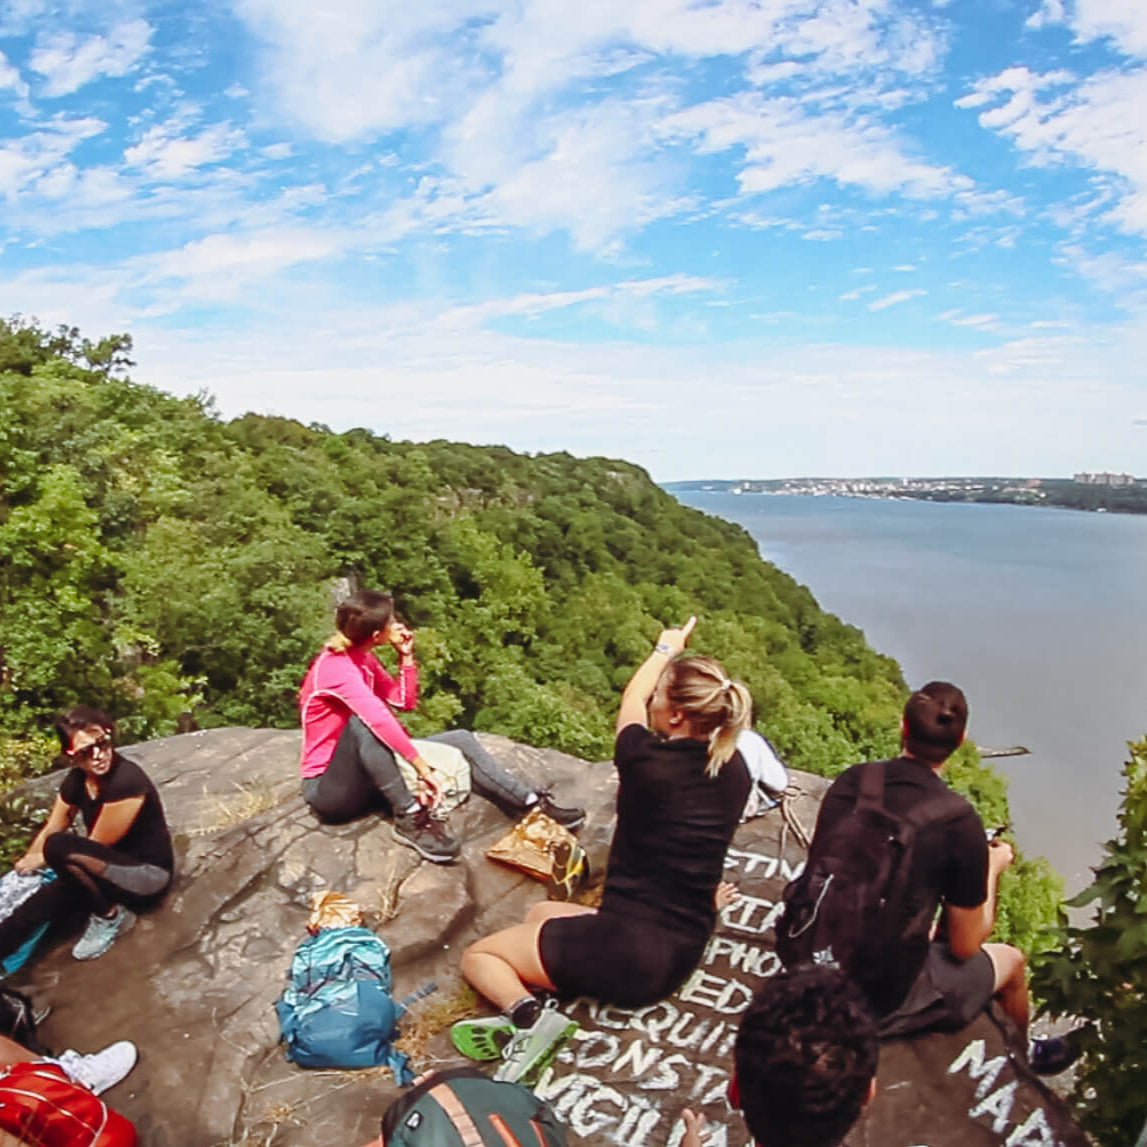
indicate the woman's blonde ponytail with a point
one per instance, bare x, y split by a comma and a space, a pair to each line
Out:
739, 715
717, 707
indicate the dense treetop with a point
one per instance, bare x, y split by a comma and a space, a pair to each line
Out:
156, 560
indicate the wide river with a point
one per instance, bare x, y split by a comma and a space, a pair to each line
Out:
1040, 615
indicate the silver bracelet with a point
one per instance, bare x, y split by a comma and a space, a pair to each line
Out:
664, 647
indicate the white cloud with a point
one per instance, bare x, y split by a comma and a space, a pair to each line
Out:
164, 155
855, 293
1095, 123
536, 303
783, 144
10, 78
1124, 22
1049, 12
960, 320
230, 254
1122, 276
1022, 407
33, 157
67, 63
893, 299
586, 148
352, 68
518, 95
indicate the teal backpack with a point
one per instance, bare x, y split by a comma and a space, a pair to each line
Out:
337, 1010
462, 1107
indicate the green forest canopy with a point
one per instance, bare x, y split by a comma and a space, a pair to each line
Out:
156, 560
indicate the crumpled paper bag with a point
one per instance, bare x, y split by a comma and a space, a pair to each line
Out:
545, 850
333, 910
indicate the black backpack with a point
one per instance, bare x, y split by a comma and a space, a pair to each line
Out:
850, 906
462, 1107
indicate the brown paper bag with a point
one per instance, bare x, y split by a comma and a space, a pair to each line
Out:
545, 850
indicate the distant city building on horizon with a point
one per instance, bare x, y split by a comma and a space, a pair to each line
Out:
1104, 479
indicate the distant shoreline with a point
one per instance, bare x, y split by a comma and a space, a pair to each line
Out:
1127, 497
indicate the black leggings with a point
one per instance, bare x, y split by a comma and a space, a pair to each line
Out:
90, 877
362, 769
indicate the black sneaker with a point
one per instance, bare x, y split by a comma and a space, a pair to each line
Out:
571, 818
420, 831
1052, 1055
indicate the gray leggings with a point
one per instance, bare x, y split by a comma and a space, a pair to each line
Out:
362, 769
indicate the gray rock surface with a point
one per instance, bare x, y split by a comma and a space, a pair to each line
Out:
194, 982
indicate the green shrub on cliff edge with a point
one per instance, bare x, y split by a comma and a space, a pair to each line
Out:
1099, 973
156, 560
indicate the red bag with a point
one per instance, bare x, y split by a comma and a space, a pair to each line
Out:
42, 1107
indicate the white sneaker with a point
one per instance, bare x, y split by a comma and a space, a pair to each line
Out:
533, 1049
101, 1069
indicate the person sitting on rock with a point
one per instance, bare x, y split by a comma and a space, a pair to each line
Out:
351, 736
939, 981
123, 864
682, 786
804, 1061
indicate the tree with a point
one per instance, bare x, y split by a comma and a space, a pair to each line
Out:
1099, 972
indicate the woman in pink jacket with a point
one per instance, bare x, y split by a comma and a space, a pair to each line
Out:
351, 735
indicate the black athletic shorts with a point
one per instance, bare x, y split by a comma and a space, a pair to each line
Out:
616, 959
946, 996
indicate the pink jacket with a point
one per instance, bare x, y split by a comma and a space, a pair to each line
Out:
341, 684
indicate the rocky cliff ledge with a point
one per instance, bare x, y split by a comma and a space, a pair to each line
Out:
193, 983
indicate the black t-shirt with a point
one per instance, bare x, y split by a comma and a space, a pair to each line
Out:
950, 857
148, 840
674, 824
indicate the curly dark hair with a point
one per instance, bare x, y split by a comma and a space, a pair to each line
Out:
805, 1056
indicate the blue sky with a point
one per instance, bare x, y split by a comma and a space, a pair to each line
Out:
722, 238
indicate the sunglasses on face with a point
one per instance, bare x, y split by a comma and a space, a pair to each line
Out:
80, 756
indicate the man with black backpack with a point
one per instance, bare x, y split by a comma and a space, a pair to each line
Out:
892, 844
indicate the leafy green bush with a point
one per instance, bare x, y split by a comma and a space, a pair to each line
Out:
21, 816
1099, 973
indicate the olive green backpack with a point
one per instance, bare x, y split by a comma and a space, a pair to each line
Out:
461, 1107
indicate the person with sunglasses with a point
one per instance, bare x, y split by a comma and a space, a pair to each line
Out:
125, 861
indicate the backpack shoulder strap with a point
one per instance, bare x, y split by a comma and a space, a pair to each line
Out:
941, 806
870, 790
455, 1110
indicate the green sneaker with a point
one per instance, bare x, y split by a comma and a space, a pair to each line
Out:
484, 1038
532, 1050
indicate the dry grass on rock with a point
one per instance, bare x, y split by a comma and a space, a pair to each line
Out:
429, 1016
225, 812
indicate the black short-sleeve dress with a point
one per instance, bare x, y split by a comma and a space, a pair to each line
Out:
674, 825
